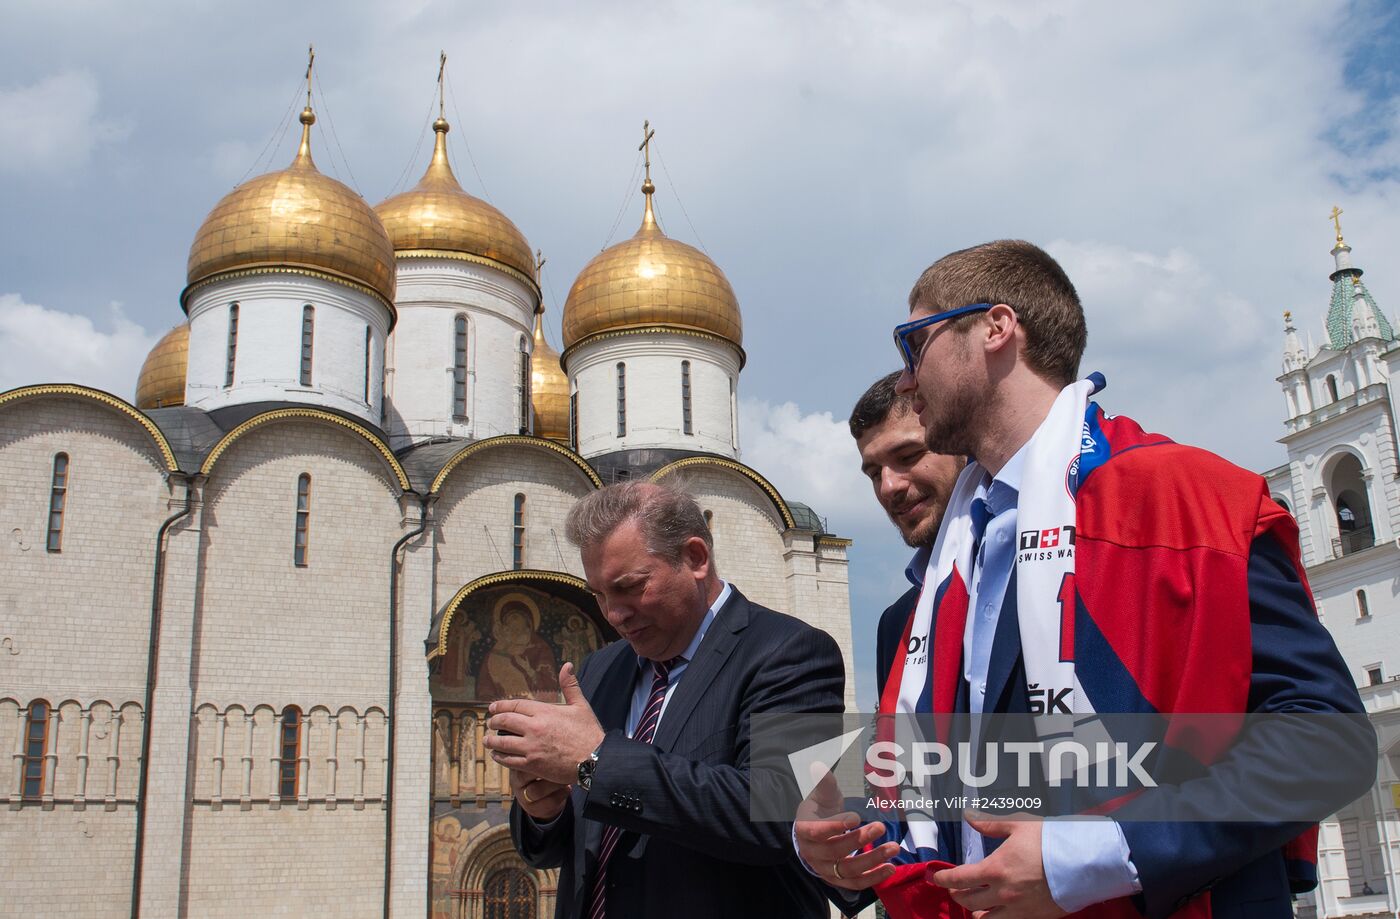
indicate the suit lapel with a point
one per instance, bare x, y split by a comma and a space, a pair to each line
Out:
611, 698
716, 647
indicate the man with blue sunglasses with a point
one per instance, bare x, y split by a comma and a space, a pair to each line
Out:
1085, 561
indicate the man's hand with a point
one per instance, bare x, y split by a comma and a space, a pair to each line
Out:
826, 837
1011, 880
540, 798
550, 740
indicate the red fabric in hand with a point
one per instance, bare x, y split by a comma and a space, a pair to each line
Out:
909, 894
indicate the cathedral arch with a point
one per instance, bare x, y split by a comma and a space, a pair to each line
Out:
312, 414
521, 440
769, 491
570, 588
493, 880
158, 440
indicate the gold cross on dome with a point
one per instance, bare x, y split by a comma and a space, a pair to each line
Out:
1336, 221
442, 67
647, 135
310, 62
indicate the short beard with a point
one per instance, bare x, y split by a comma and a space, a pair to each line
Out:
924, 535
951, 432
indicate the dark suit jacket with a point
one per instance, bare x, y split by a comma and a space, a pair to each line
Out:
891, 629
692, 849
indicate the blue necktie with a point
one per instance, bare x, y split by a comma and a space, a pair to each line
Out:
981, 516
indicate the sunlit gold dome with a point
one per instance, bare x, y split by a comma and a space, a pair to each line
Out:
651, 280
549, 388
295, 219
162, 380
437, 216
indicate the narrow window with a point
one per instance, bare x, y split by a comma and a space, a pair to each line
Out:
709, 520
290, 760
518, 534
369, 346
459, 367
232, 344
308, 333
1374, 675
685, 397
58, 500
1363, 609
36, 741
621, 399
1332, 388
302, 542
733, 417
524, 386
573, 419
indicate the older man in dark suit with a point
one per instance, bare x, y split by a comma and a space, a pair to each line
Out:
639, 786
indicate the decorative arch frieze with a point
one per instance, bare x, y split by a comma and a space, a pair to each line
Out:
767, 487
73, 391
509, 440
314, 414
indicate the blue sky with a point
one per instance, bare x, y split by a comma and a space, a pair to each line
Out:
1180, 159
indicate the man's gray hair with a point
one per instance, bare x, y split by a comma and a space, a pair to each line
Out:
667, 517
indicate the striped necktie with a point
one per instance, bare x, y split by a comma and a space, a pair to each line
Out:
645, 732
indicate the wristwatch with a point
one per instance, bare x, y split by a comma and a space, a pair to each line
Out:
585, 769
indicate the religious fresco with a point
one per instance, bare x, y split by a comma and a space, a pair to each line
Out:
509, 643
475, 872
504, 642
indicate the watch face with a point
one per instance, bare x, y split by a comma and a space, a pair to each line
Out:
585, 773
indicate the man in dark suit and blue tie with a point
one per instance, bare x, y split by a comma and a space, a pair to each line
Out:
638, 787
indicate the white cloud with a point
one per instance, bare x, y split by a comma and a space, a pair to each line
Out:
53, 124
1140, 303
810, 458
42, 345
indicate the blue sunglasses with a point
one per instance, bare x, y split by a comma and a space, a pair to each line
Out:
911, 352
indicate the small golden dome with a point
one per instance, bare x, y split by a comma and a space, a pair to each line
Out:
296, 218
161, 383
438, 216
549, 388
648, 280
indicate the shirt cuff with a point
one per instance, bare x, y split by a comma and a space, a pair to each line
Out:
798, 852
546, 825
849, 896
1086, 862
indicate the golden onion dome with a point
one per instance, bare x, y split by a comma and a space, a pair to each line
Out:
161, 383
651, 280
436, 216
549, 388
299, 220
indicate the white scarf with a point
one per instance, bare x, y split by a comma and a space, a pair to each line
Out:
1045, 523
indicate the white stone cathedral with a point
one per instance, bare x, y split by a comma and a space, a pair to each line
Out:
1342, 483
250, 622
